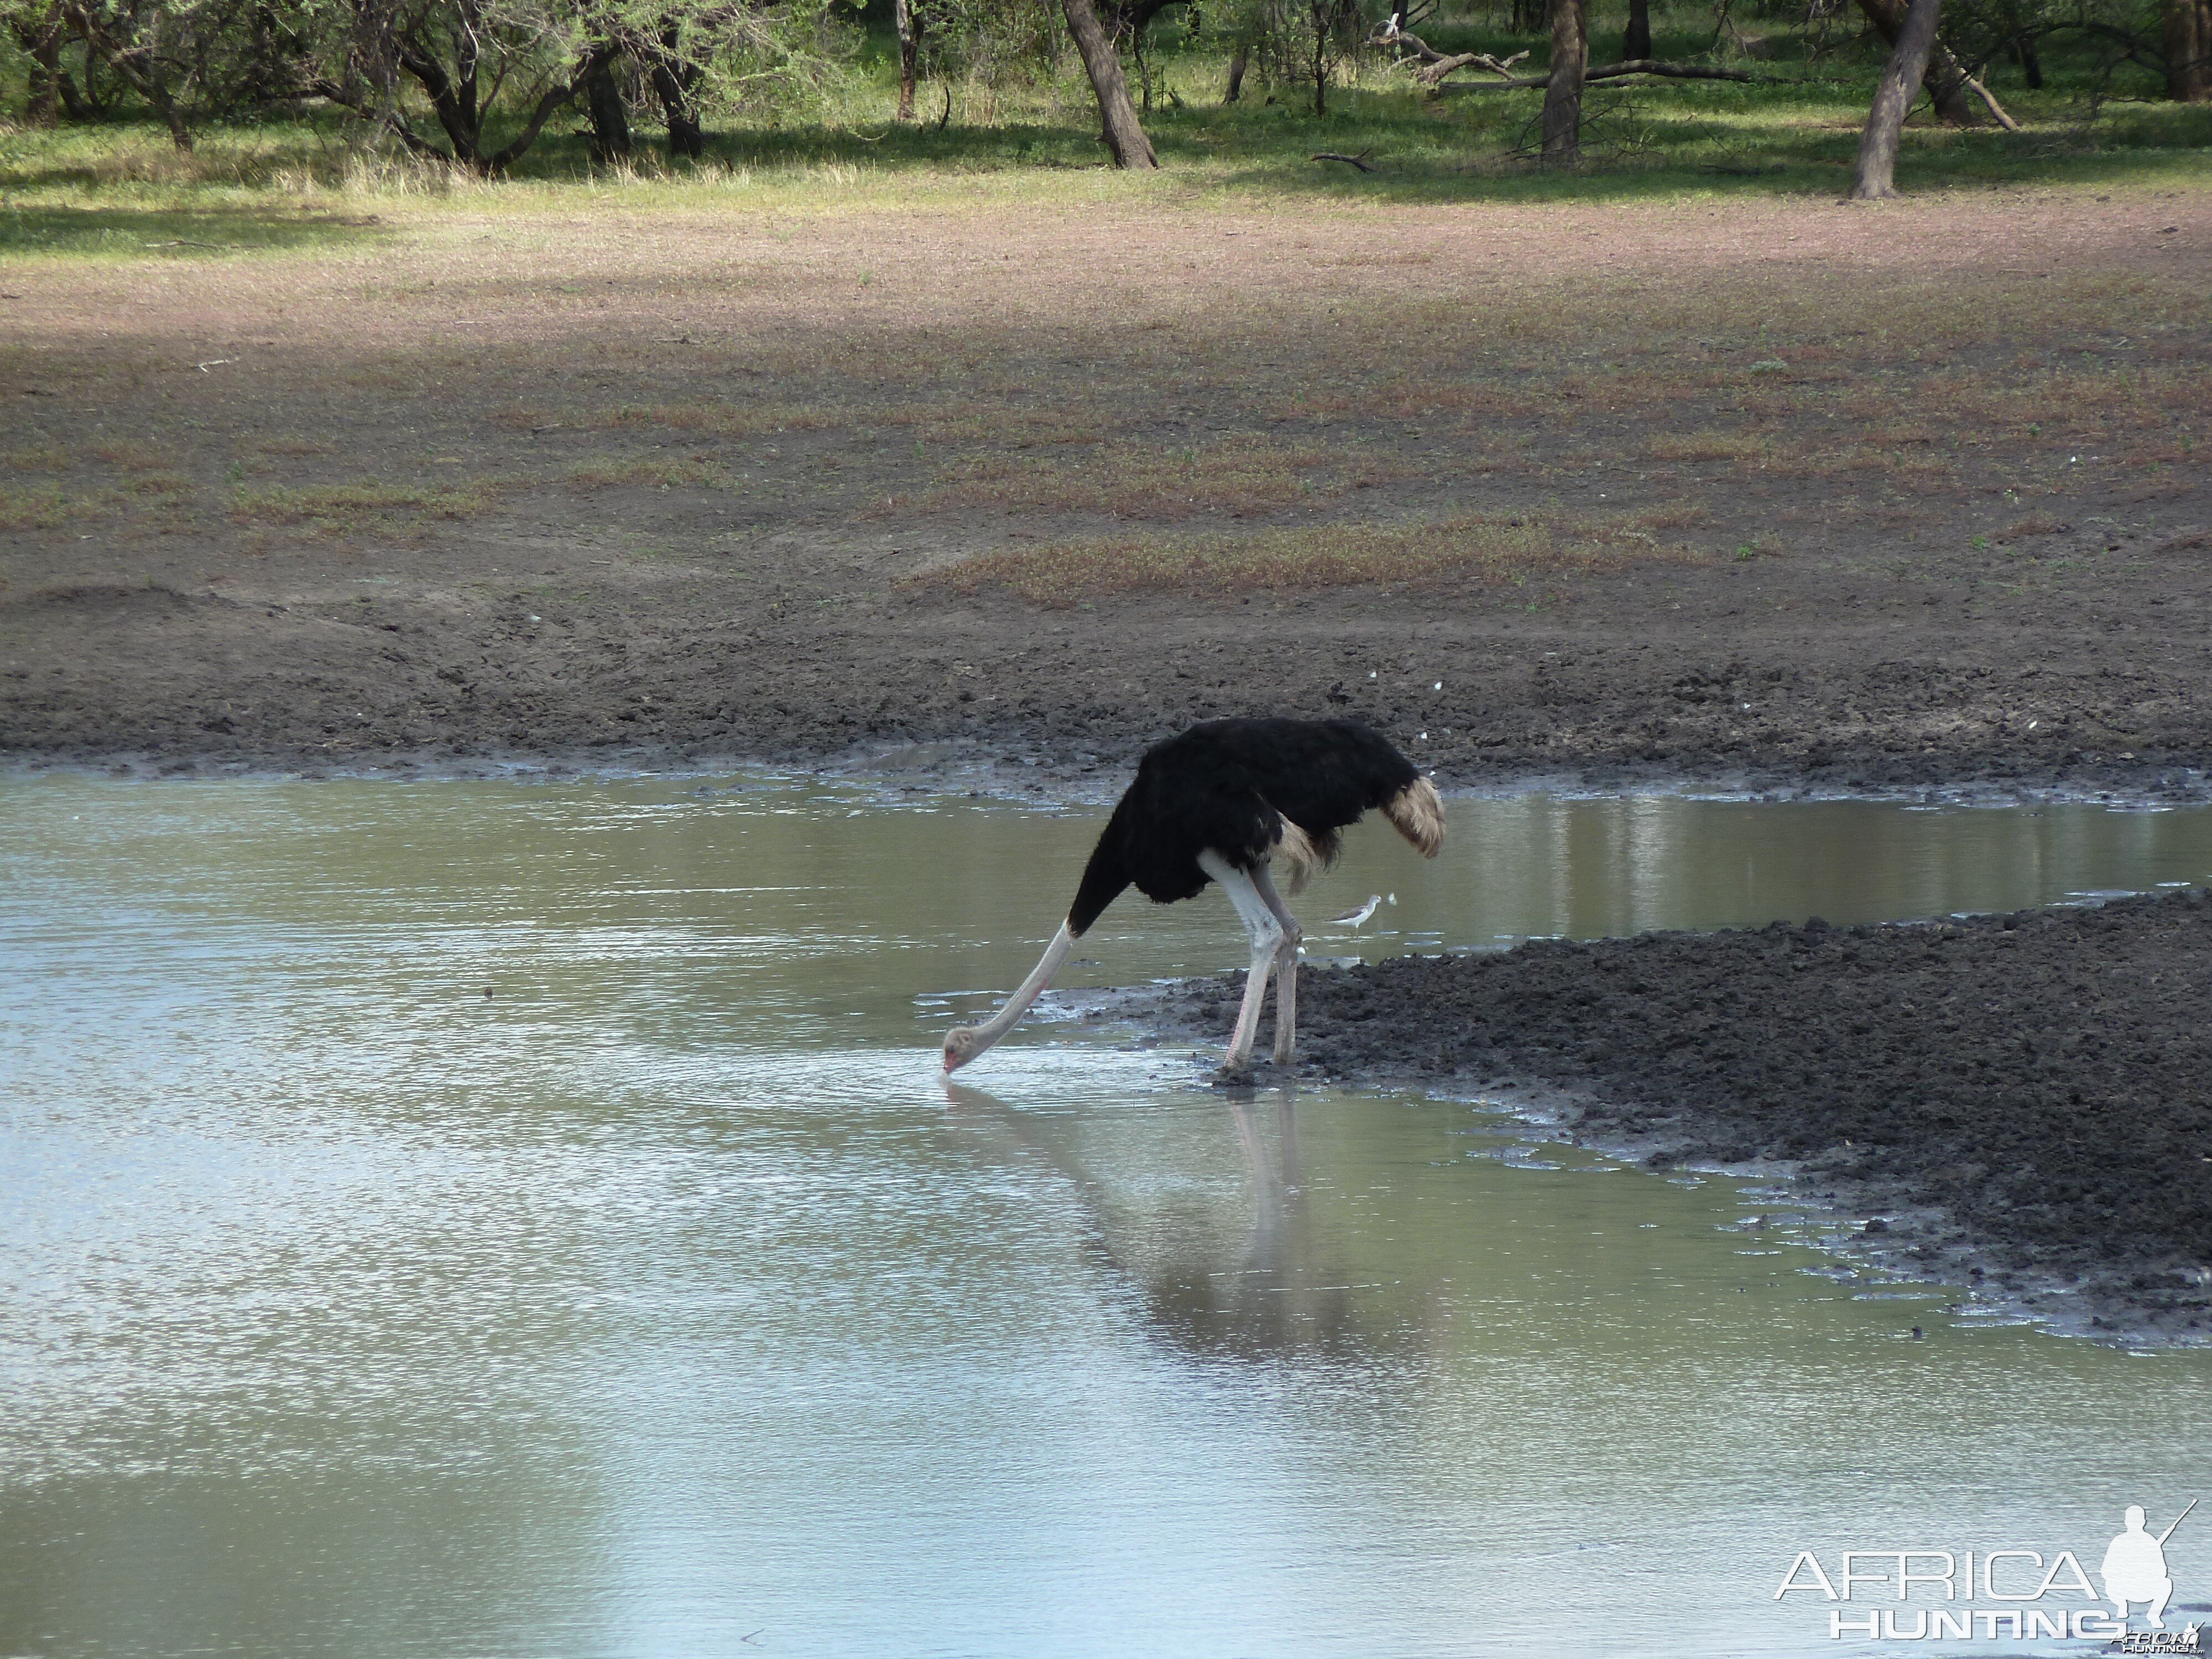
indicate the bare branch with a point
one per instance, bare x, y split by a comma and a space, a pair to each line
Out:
135, 62
1973, 83
555, 96
390, 120
1435, 65
1617, 72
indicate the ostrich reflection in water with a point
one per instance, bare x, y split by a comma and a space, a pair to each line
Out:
1262, 1297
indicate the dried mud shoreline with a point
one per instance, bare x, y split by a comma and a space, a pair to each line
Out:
1605, 696
2020, 1104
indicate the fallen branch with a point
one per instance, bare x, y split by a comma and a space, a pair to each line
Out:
1428, 54
1633, 66
1435, 65
1676, 72
1498, 86
1358, 161
1974, 83
1430, 75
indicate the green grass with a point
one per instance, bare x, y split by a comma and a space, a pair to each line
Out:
119, 190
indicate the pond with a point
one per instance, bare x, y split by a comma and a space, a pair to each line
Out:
504, 1217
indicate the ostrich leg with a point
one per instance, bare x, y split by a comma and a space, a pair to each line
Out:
1266, 937
1287, 967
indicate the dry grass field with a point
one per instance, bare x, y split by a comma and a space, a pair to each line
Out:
723, 470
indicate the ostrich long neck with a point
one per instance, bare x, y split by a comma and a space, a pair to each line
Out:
1029, 989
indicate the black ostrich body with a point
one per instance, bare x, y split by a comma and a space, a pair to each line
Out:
1225, 802
1227, 785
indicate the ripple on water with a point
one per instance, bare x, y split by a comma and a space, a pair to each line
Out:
667, 1296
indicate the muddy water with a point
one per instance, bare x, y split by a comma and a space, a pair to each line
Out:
664, 1301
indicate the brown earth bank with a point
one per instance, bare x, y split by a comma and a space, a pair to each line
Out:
2020, 1103
1773, 491
1602, 694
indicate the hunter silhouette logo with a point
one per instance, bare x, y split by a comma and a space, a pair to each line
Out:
2019, 1595
2134, 1567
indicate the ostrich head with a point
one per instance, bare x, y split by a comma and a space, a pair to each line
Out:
962, 1044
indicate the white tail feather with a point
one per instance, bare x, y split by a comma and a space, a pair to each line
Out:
1296, 857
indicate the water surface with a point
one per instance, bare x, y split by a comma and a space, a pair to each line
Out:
665, 1302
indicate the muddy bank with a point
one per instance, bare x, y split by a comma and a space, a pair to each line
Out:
2019, 1102
1603, 694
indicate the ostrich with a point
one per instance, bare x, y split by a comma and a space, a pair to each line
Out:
1222, 802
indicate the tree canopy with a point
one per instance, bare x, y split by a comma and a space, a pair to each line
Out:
474, 84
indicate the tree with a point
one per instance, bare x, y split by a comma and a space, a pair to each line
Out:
907, 18
1291, 42
462, 55
1947, 89
2189, 50
1563, 92
1331, 29
152, 50
609, 115
40, 34
1636, 40
1125, 135
500, 70
1875, 179
674, 76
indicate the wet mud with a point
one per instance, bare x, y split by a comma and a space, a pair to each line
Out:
1602, 694
2020, 1105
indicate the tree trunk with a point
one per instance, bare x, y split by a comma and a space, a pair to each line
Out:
1637, 42
2031, 62
1876, 178
909, 39
2189, 50
44, 79
1238, 60
603, 100
684, 137
673, 77
1320, 57
1563, 92
1948, 87
452, 98
554, 97
1125, 134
